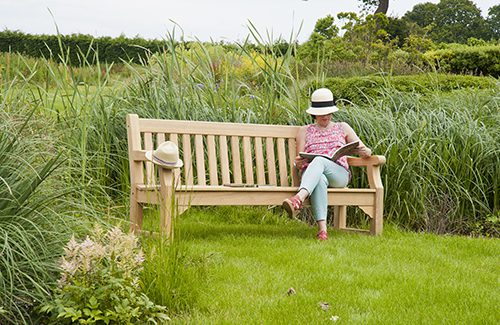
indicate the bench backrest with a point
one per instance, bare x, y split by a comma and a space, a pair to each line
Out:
215, 153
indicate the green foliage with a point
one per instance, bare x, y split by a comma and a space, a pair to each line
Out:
450, 21
490, 227
179, 284
442, 151
363, 39
364, 89
32, 221
493, 22
325, 27
422, 14
78, 49
100, 283
479, 60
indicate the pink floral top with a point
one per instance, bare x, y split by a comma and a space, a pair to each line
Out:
326, 141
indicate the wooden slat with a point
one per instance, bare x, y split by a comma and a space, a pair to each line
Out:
259, 161
218, 128
291, 153
174, 138
160, 138
136, 170
235, 152
271, 162
373, 160
247, 157
212, 160
224, 159
224, 195
282, 162
186, 155
200, 159
148, 145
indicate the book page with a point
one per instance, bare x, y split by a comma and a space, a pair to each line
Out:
346, 149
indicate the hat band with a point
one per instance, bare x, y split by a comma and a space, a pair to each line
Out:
165, 162
323, 104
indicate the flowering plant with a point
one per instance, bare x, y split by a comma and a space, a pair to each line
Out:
99, 282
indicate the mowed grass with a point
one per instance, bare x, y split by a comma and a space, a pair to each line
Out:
254, 256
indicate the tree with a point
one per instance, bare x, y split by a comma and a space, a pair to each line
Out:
325, 27
422, 14
493, 22
398, 28
457, 20
381, 5
450, 21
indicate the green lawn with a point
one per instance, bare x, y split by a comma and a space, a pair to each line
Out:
253, 257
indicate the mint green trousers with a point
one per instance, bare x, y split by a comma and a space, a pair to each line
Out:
320, 174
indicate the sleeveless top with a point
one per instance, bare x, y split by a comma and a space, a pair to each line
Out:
326, 142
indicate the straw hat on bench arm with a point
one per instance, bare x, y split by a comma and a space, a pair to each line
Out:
166, 155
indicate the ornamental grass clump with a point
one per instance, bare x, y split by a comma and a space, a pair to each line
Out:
99, 282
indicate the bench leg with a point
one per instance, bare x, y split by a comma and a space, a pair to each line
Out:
167, 202
135, 212
339, 216
376, 223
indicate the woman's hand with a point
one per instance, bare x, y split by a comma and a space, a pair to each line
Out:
364, 152
299, 162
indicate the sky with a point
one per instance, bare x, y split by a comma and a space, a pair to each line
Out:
205, 20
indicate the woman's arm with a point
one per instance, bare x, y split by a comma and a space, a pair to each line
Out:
300, 141
362, 150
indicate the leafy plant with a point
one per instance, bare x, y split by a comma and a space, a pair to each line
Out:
100, 282
31, 228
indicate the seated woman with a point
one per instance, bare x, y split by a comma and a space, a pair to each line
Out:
322, 137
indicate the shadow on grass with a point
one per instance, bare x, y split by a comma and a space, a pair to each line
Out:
208, 231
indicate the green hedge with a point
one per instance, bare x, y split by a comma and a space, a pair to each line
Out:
478, 60
109, 49
361, 89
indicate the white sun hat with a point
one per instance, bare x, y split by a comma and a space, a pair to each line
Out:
322, 102
166, 155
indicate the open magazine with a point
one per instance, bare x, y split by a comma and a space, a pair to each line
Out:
345, 150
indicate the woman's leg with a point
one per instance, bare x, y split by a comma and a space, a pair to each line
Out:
332, 175
320, 174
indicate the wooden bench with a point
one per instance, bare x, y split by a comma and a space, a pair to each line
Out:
215, 154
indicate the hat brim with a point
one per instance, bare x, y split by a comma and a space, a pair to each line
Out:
153, 159
322, 110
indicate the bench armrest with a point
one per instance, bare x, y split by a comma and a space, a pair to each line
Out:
372, 160
372, 165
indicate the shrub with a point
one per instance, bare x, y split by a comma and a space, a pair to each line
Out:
78, 49
100, 282
478, 60
360, 89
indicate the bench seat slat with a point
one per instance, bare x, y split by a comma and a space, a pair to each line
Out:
258, 188
219, 195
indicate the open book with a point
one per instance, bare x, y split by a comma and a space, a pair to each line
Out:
347, 149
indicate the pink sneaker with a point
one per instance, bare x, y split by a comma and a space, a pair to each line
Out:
322, 235
292, 206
